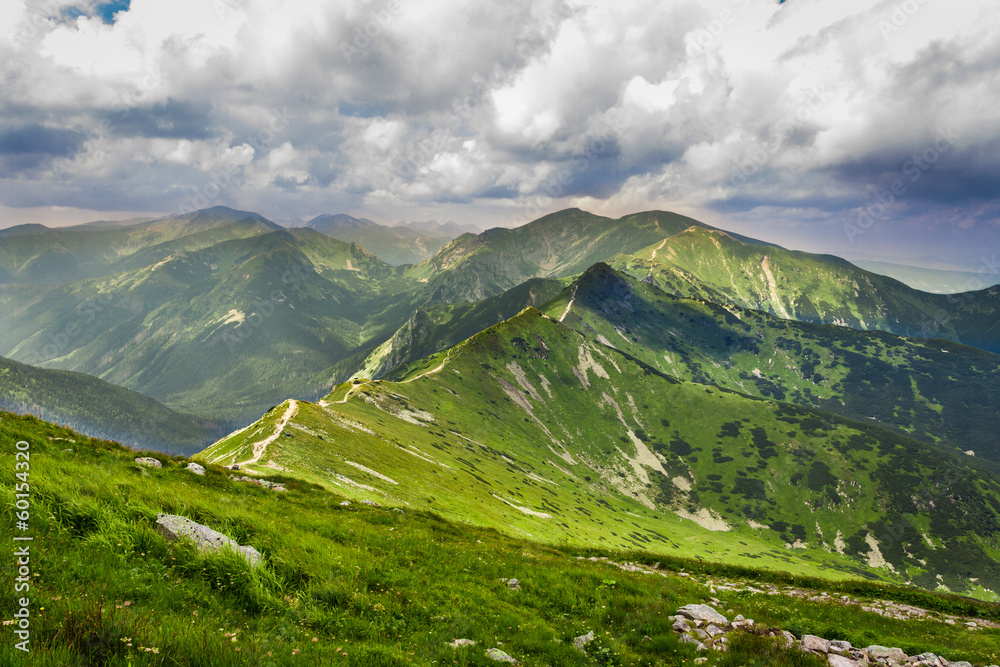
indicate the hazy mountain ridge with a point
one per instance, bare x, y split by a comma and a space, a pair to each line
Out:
229, 329
820, 289
100, 409
394, 245
558, 245
38, 254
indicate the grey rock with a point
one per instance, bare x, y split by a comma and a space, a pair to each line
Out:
583, 640
814, 643
513, 584
841, 644
680, 626
148, 462
876, 651
841, 661
960, 663
261, 482
462, 642
196, 468
370, 502
176, 528
714, 630
499, 656
703, 612
788, 637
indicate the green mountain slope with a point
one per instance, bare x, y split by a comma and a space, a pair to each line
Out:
436, 328
100, 409
39, 255
533, 429
226, 330
393, 245
931, 389
708, 263
359, 585
474, 267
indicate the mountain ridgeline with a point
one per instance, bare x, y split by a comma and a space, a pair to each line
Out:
532, 428
671, 386
394, 245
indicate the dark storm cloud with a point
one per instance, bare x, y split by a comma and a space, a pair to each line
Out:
38, 139
173, 119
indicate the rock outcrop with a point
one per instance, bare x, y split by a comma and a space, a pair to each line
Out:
707, 629
176, 528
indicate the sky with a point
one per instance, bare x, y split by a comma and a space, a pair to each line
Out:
857, 127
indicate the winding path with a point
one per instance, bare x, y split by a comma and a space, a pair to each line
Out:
260, 446
569, 305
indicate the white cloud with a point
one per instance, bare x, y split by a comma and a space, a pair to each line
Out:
726, 105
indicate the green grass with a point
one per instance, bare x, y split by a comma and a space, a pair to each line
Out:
374, 586
501, 431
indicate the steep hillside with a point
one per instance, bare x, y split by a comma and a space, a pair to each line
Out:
100, 409
931, 389
474, 267
531, 428
708, 263
226, 330
39, 255
393, 245
344, 583
436, 328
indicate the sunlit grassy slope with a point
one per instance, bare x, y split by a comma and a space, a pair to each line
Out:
535, 430
366, 586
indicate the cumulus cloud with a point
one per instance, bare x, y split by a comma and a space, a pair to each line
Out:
800, 113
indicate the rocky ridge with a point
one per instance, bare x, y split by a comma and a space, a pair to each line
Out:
708, 629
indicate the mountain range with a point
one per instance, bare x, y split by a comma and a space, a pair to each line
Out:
643, 382
394, 245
